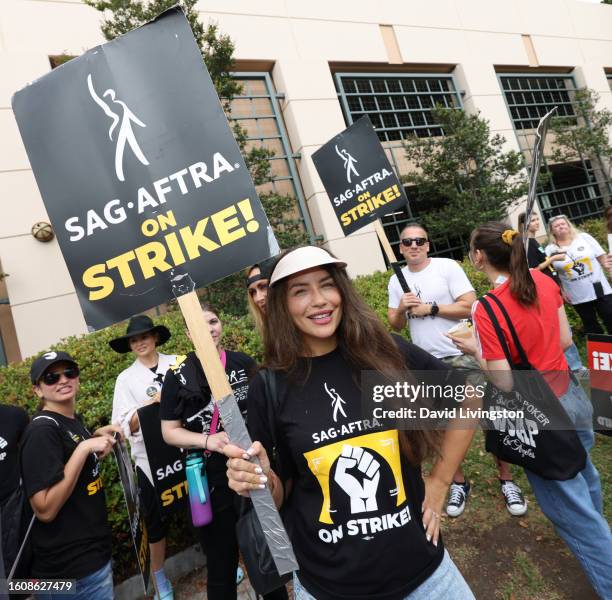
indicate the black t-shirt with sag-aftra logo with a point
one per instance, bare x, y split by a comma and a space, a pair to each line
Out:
77, 542
354, 512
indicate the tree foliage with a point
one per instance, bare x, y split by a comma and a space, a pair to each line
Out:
586, 136
121, 16
465, 174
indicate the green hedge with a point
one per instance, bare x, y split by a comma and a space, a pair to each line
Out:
100, 367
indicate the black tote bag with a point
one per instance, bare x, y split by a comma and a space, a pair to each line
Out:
545, 441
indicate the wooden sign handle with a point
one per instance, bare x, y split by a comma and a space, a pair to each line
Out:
384, 241
205, 348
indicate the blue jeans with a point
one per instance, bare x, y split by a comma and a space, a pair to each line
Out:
572, 356
98, 586
445, 583
575, 506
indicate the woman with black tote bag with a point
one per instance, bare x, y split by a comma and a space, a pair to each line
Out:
523, 319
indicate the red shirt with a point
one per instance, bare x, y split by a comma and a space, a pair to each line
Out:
537, 328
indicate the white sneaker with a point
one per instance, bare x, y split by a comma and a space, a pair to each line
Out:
515, 502
457, 498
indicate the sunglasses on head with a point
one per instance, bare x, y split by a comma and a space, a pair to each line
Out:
557, 217
53, 377
420, 241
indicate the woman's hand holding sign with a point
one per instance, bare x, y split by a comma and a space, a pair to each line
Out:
245, 475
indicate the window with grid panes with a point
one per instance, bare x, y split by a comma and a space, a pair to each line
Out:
571, 188
529, 97
399, 106
255, 109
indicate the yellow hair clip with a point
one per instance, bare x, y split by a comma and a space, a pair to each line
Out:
509, 235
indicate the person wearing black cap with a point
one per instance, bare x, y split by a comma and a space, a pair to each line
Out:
257, 279
139, 385
60, 468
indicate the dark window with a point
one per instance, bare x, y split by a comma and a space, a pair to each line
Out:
258, 112
399, 106
530, 97
571, 190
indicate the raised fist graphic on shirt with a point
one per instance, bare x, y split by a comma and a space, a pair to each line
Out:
579, 268
361, 490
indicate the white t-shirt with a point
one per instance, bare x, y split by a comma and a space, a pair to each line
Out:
441, 281
133, 389
580, 269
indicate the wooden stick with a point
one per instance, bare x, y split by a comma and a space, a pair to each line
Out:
263, 503
205, 348
382, 236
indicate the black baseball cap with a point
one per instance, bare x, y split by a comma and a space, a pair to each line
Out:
48, 359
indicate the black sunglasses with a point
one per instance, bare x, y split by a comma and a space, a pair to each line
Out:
53, 378
408, 241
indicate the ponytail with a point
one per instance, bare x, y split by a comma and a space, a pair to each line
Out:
505, 251
522, 286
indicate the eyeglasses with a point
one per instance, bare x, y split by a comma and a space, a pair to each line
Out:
54, 377
419, 241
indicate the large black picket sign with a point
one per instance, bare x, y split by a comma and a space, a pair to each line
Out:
139, 171
358, 177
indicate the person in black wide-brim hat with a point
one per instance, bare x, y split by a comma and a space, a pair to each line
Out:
139, 325
139, 385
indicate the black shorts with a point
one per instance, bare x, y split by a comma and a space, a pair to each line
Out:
157, 528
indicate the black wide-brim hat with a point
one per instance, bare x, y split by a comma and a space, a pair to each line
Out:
137, 326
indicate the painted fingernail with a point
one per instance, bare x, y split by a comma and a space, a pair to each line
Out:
258, 470
263, 479
250, 451
436, 543
261, 487
246, 456
428, 537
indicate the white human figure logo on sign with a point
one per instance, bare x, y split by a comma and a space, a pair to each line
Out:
349, 163
126, 133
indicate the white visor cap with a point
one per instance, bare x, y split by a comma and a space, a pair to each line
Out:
302, 259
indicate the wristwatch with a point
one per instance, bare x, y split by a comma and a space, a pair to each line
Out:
435, 309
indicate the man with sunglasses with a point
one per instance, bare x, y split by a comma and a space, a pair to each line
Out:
440, 296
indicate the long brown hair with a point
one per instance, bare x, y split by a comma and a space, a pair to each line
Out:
507, 257
362, 339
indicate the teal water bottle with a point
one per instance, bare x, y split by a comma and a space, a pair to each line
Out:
199, 497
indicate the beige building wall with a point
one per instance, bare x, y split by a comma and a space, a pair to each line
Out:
303, 41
